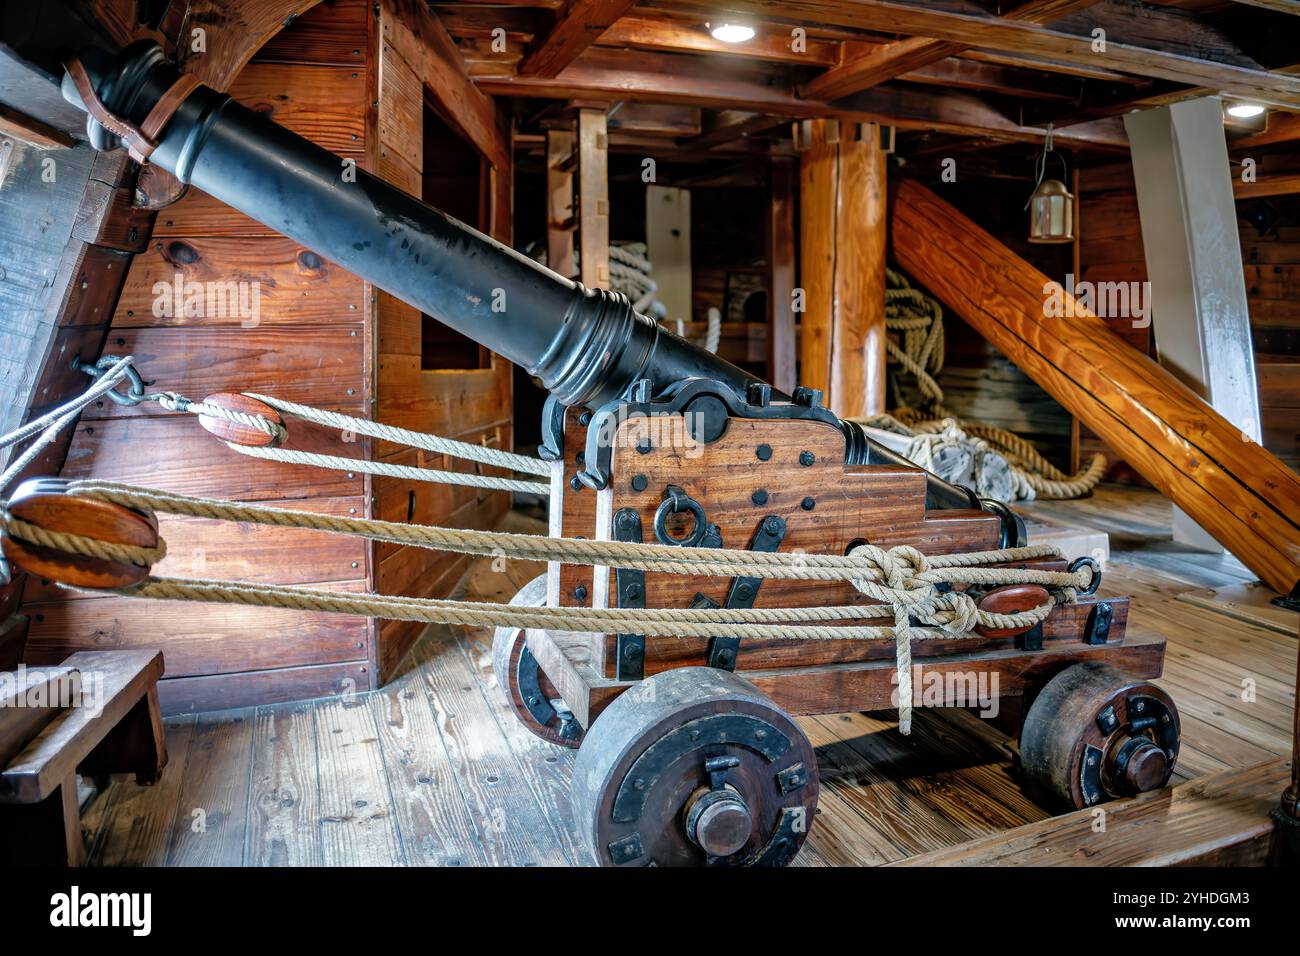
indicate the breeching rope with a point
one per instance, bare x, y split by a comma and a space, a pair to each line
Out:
360, 426
915, 590
918, 318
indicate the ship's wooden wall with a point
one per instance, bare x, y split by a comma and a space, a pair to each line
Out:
323, 337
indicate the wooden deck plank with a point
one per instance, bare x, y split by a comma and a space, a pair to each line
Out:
138, 822
548, 769
356, 818
512, 828
212, 807
284, 802
436, 826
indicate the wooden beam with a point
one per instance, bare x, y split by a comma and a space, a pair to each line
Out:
234, 30
560, 219
869, 68
771, 42
1287, 185
577, 27
593, 199
1233, 487
661, 78
1281, 128
33, 131
423, 42
843, 242
977, 29
781, 341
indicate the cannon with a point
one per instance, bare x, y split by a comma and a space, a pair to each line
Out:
689, 751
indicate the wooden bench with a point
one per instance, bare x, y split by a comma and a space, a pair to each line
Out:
39, 811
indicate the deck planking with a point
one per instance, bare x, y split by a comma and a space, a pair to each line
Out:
433, 769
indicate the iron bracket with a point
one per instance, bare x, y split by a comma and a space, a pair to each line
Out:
630, 588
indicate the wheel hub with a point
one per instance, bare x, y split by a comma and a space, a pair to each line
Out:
719, 821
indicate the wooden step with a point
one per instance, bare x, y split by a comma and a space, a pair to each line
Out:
1218, 820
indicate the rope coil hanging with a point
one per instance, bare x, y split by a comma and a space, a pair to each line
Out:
935, 428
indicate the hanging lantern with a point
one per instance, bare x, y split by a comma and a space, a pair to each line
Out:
1051, 206
1051, 213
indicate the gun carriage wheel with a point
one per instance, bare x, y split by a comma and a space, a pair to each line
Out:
695, 767
1095, 733
527, 689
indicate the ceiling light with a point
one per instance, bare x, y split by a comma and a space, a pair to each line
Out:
1245, 110
732, 33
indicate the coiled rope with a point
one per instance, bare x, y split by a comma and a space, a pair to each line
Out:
918, 318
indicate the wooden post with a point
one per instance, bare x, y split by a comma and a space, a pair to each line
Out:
593, 198
1230, 485
843, 233
781, 345
560, 220
858, 360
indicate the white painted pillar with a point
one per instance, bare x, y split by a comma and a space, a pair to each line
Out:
1201, 321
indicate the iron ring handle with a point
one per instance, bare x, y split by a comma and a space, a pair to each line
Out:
674, 502
1090, 562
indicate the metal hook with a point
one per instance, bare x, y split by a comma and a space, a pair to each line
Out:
134, 394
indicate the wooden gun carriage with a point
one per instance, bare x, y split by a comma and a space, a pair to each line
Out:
689, 752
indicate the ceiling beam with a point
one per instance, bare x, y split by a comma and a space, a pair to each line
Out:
977, 29
664, 78
771, 41
865, 69
577, 27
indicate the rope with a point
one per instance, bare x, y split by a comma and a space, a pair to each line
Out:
403, 436
919, 320
175, 402
905, 581
865, 566
411, 472
52, 423
71, 543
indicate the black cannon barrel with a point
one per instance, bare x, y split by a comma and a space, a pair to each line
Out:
586, 346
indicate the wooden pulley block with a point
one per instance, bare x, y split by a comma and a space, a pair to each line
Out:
47, 503
234, 432
1010, 599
